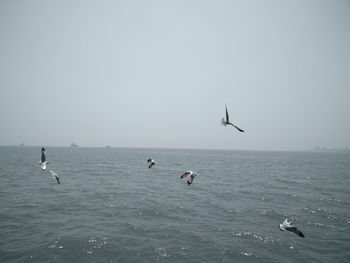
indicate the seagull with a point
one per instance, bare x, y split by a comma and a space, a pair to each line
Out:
43, 161
190, 176
288, 226
151, 163
54, 175
227, 121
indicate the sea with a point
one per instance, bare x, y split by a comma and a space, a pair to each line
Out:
110, 207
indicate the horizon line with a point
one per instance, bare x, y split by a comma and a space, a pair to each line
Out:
314, 149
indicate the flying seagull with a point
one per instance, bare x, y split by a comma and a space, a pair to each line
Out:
190, 176
54, 175
151, 163
43, 161
226, 121
288, 226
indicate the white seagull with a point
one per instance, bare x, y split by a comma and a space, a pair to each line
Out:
43, 162
190, 176
226, 121
151, 163
288, 226
54, 175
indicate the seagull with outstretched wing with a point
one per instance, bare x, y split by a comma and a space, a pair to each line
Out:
43, 162
55, 176
289, 227
226, 121
151, 163
190, 176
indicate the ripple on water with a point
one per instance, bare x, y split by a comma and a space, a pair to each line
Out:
254, 236
161, 251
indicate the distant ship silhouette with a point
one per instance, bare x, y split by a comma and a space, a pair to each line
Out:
73, 145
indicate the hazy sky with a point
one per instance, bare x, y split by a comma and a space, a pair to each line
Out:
158, 73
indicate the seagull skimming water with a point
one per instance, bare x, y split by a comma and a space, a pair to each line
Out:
288, 226
54, 175
190, 176
151, 163
43, 161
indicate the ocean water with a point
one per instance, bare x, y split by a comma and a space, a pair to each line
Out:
110, 207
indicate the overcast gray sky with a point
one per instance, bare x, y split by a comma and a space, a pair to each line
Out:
158, 73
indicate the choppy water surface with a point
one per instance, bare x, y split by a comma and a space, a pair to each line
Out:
110, 207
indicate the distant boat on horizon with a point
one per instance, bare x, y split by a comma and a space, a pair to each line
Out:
73, 145
22, 144
108, 146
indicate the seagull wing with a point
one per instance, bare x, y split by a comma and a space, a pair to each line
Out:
191, 178
187, 173
227, 118
54, 175
184, 175
237, 127
43, 156
295, 230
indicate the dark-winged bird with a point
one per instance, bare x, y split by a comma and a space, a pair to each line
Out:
54, 175
190, 176
226, 121
43, 162
151, 163
288, 226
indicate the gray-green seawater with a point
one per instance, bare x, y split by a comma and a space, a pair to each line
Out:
110, 207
